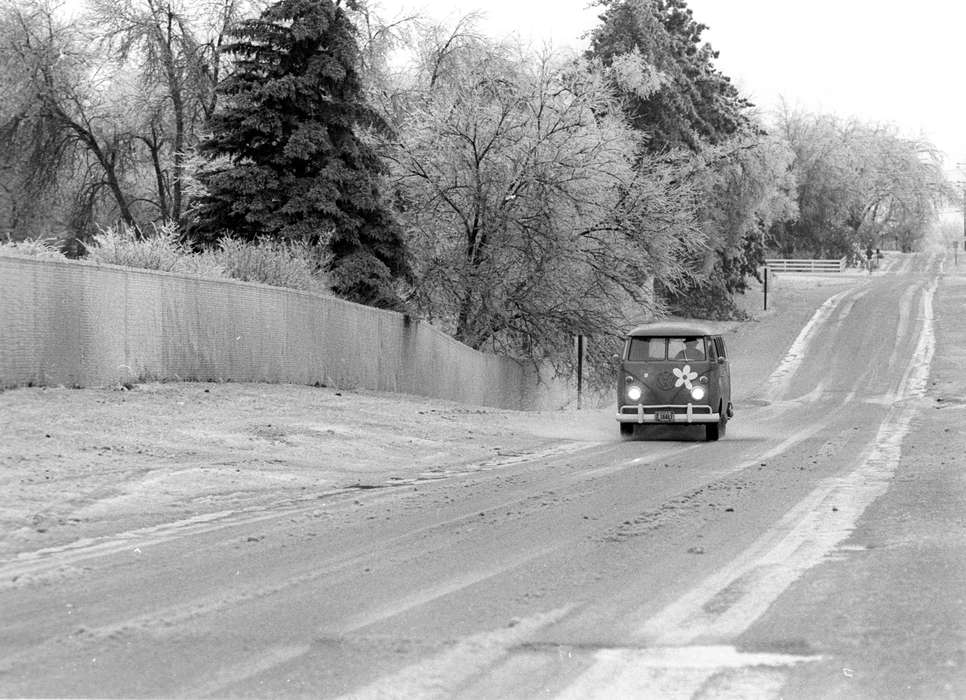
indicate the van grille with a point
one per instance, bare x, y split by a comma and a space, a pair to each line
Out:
680, 410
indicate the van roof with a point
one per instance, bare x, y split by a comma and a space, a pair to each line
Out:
674, 328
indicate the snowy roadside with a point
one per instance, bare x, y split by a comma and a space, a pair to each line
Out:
83, 463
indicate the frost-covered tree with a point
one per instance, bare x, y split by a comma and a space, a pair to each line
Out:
528, 217
62, 123
677, 100
694, 103
101, 107
858, 184
287, 158
170, 50
745, 186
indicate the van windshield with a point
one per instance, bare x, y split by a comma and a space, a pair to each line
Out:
684, 348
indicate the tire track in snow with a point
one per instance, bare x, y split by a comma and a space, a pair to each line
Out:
25, 567
780, 379
441, 675
729, 601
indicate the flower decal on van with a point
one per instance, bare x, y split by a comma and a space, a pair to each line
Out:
684, 376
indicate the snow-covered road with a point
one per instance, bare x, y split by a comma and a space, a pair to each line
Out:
217, 540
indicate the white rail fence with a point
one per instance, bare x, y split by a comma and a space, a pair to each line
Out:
805, 265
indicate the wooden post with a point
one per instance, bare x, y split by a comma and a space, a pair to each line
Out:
766, 288
580, 368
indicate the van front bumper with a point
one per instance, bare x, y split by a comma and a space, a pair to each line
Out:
686, 413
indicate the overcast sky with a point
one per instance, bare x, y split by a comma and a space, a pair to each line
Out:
877, 60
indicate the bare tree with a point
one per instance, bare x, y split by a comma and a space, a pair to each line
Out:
64, 119
174, 49
107, 106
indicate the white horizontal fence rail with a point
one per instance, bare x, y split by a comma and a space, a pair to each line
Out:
805, 265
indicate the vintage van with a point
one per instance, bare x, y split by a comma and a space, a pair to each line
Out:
674, 373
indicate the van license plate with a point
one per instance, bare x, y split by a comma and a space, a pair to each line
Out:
665, 416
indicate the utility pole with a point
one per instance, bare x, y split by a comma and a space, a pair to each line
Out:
962, 166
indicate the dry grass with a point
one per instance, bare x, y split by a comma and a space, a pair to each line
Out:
120, 245
280, 264
36, 248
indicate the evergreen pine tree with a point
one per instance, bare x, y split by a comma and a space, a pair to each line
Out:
286, 159
698, 105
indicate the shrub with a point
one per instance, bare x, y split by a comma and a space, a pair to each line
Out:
281, 264
119, 245
35, 248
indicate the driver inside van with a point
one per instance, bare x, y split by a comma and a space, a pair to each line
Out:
691, 351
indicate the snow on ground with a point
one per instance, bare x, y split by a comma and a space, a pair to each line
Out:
78, 463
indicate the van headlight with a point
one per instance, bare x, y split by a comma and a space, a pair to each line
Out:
634, 392
698, 393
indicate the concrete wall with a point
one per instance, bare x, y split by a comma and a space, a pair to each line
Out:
80, 324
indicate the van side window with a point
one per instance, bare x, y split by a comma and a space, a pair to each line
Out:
720, 346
